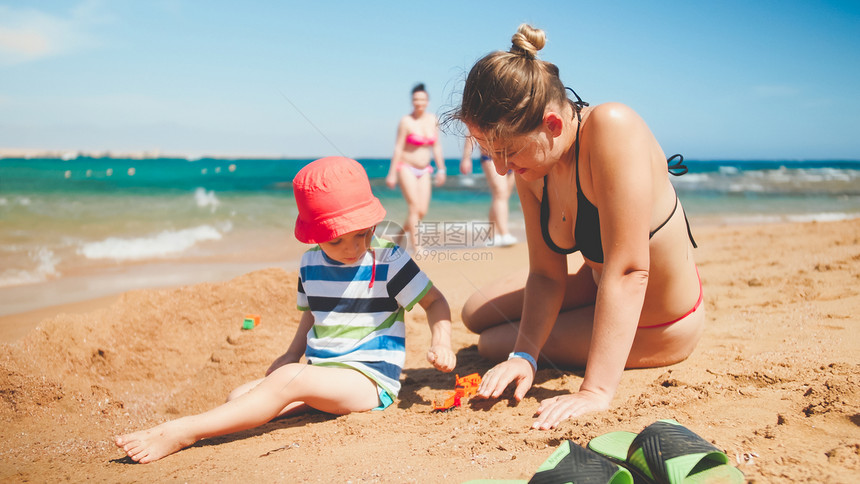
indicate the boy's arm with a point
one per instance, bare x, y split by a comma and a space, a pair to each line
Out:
439, 319
298, 346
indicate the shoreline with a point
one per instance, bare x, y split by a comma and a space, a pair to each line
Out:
23, 307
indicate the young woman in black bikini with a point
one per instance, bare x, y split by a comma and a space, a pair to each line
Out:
627, 293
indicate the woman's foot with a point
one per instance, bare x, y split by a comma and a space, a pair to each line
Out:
505, 240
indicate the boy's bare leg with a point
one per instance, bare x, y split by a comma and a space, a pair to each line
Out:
332, 390
292, 408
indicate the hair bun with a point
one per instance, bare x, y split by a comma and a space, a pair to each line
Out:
528, 41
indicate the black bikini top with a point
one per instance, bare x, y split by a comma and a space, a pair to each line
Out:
587, 228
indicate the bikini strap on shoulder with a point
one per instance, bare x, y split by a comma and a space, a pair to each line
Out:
579, 103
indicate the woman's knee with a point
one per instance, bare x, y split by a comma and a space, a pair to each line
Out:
467, 314
475, 314
500, 302
492, 348
496, 342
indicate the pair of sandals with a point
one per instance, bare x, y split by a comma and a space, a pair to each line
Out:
665, 452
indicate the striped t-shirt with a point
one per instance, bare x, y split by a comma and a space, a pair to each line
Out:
359, 326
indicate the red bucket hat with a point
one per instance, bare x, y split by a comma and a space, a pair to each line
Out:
334, 198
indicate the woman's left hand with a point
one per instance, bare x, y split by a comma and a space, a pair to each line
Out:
440, 178
553, 410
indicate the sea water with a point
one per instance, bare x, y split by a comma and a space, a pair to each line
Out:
60, 217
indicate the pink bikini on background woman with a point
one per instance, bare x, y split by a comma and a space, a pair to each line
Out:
418, 140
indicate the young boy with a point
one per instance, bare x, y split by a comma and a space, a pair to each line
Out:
353, 290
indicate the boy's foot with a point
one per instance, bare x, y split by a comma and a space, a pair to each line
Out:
152, 444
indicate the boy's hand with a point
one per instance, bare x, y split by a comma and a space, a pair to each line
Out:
442, 358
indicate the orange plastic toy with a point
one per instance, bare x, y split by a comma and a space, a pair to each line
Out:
463, 388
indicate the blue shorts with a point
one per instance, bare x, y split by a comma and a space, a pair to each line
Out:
384, 398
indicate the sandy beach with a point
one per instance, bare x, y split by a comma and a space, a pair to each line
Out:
775, 381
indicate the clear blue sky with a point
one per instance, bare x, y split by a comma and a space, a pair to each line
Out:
714, 80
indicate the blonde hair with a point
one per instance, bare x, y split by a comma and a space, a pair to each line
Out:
506, 93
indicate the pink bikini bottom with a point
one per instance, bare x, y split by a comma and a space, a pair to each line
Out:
418, 172
695, 307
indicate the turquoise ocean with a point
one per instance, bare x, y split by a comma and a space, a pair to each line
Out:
69, 222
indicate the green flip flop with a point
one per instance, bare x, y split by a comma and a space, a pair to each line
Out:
666, 452
573, 464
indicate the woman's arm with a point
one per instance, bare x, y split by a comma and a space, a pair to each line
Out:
441, 170
545, 285
616, 177
298, 346
622, 190
399, 144
544, 293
